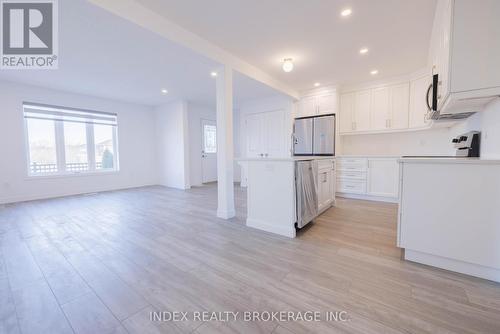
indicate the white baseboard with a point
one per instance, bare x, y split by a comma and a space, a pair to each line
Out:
471, 269
368, 197
226, 214
270, 227
27, 198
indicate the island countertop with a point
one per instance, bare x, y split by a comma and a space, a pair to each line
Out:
450, 160
290, 159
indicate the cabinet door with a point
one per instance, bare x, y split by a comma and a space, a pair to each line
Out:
255, 135
400, 102
326, 104
307, 107
346, 113
325, 188
383, 175
418, 106
362, 109
274, 136
380, 115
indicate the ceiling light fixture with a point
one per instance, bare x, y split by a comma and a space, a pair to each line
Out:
288, 65
346, 12
164, 91
214, 74
317, 84
363, 51
374, 72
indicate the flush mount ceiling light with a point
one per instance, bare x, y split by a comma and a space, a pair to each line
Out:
213, 74
346, 12
363, 51
164, 91
288, 65
317, 84
374, 72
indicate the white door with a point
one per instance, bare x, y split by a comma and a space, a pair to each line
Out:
209, 151
255, 136
383, 177
362, 109
400, 103
380, 109
274, 134
346, 107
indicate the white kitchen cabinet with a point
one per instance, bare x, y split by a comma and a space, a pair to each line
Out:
362, 110
346, 113
326, 103
380, 109
318, 104
326, 184
399, 106
265, 134
368, 178
465, 49
418, 107
383, 177
307, 107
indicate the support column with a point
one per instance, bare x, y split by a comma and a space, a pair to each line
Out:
225, 146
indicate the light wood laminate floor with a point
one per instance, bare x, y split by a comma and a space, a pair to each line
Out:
101, 263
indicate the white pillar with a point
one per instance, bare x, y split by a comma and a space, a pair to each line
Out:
225, 149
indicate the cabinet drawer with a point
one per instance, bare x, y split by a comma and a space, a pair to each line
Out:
351, 186
326, 164
356, 175
352, 164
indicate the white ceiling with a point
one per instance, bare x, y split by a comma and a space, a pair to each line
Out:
104, 55
324, 45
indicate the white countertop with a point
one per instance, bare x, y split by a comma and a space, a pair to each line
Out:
368, 156
298, 158
451, 160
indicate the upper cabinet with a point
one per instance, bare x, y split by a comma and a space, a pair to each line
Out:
382, 108
265, 134
465, 48
317, 104
362, 109
418, 108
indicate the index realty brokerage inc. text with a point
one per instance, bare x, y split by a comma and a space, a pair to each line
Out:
250, 316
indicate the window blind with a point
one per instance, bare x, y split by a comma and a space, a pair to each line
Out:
66, 114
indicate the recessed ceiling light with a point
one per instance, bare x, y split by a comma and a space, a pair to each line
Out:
346, 12
164, 91
317, 84
363, 51
374, 72
214, 74
288, 65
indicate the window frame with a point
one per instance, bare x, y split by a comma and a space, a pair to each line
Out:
61, 149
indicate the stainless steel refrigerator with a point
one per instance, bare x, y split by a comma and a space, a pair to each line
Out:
314, 136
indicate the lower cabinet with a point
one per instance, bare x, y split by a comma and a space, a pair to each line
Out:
326, 184
368, 178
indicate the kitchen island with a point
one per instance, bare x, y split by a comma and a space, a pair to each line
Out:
271, 191
449, 214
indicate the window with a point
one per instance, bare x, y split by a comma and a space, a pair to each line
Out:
210, 140
67, 141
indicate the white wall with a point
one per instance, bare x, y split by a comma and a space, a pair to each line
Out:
135, 136
488, 122
425, 142
173, 145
